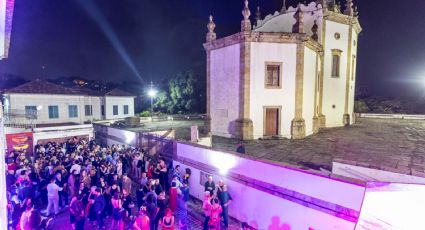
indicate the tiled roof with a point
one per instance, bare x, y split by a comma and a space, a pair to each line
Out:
42, 87
39, 86
119, 93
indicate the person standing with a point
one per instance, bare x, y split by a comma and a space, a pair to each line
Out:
185, 188
162, 206
173, 196
63, 194
225, 201
99, 206
206, 207
162, 167
215, 218
152, 211
25, 222
53, 196
210, 185
126, 183
167, 222
116, 213
91, 198
240, 148
76, 209
127, 202
144, 179
220, 189
142, 221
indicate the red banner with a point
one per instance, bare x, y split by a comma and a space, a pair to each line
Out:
20, 142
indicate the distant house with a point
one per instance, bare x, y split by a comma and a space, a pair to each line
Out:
49, 103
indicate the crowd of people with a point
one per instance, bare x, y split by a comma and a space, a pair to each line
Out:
121, 184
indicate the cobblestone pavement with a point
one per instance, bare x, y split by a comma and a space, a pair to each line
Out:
394, 145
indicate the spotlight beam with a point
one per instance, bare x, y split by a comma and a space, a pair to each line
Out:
93, 11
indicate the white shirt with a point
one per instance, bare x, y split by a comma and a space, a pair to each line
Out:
53, 190
76, 167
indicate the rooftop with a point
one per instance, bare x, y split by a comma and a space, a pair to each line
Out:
39, 86
395, 145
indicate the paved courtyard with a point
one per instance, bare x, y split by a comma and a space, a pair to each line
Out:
394, 145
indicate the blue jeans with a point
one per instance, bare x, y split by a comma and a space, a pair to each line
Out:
99, 218
225, 214
207, 219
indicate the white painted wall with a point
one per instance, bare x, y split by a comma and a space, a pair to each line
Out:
369, 174
260, 96
19, 101
120, 101
96, 103
334, 88
258, 208
309, 88
224, 99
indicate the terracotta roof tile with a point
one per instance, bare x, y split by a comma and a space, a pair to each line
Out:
119, 93
39, 86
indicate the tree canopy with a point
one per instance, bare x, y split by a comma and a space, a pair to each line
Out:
182, 94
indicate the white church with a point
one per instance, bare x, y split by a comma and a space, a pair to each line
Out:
286, 75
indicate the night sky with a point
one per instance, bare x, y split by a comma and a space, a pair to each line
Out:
140, 40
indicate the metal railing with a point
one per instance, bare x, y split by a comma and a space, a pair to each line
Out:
26, 119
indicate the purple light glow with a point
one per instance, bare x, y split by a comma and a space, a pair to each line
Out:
6, 13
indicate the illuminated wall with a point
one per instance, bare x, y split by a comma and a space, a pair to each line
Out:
389, 206
6, 12
268, 195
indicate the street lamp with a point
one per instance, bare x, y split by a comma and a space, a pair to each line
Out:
152, 94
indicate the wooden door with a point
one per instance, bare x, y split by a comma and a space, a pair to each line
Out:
272, 122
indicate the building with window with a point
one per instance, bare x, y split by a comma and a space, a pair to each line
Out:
287, 75
48, 103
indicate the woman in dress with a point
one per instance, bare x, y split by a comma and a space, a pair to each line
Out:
173, 196
167, 221
116, 212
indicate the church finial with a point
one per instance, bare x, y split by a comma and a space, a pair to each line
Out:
283, 10
356, 12
349, 8
314, 29
257, 15
331, 4
246, 23
298, 27
211, 35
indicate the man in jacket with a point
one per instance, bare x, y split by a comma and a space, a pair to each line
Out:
99, 206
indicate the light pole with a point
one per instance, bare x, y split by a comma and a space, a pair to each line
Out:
152, 94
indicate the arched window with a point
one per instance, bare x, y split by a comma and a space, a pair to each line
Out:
336, 62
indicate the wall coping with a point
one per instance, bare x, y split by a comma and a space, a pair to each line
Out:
285, 165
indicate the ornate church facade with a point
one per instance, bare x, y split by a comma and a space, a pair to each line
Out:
288, 75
